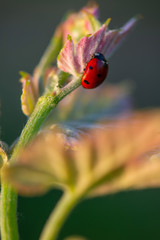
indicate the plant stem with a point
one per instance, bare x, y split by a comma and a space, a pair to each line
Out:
58, 216
9, 229
49, 56
8, 213
44, 106
8, 199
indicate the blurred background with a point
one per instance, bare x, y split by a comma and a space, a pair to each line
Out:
26, 27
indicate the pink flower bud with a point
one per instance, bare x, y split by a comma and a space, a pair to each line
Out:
80, 24
73, 58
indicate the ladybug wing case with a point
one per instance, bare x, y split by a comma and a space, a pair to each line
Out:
95, 73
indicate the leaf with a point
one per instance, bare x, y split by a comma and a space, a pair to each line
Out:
80, 111
3, 154
88, 45
115, 158
28, 180
28, 98
35, 171
114, 38
134, 143
66, 59
74, 57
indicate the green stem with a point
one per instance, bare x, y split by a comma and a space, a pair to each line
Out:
44, 106
49, 55
8, 199
8, 213
58, 216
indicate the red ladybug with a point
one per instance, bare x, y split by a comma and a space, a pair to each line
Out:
95, 72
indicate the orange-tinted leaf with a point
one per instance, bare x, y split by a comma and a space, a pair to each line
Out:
103, 161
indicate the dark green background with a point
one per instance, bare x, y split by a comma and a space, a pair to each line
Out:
25, 30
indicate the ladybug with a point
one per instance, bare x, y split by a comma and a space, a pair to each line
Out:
95, 71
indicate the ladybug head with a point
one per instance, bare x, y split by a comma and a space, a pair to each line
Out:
99, 56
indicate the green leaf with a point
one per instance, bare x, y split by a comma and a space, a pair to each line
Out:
24, 74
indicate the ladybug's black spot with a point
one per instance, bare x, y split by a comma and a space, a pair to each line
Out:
98, 75
90, 67
86, 81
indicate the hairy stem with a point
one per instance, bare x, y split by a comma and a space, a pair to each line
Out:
58, 216
8, 213
8, 199
44, 106
9, 229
